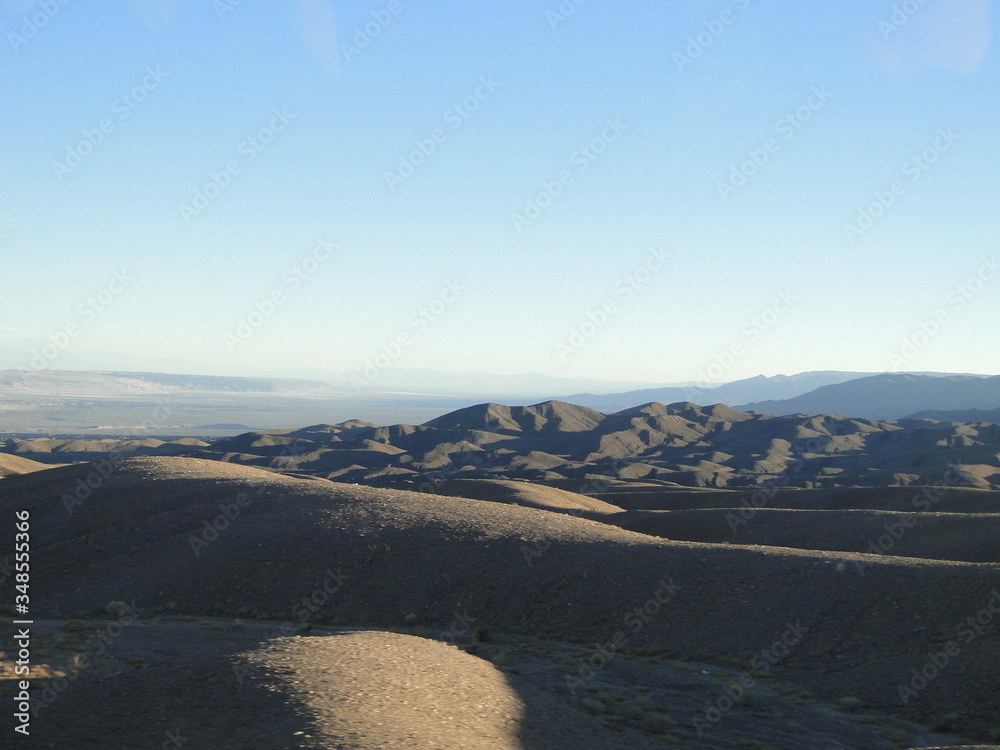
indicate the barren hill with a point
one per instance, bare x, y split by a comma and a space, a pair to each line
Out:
205, 538
550, 416
677, 445
10, 465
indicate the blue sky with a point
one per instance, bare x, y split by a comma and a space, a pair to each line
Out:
817, 182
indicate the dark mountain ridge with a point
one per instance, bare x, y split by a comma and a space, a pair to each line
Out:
675, 445
892, 396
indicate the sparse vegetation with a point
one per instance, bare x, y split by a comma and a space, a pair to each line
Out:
899, 737
658, 723
850, 703
646, 702
481, 634
946, 723
117, 608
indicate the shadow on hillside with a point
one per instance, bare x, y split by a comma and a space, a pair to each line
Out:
213, 684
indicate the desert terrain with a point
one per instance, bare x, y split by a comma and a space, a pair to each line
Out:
518, 577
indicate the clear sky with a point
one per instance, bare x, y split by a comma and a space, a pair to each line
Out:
630, 190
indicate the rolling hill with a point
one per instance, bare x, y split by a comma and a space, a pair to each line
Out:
173, 538
677, 445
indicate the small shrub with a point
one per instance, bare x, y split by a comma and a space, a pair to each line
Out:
411, 619
849, 703
631, 711
658, 723
117, 608
592, 706
946, 723
481, 634
899, 737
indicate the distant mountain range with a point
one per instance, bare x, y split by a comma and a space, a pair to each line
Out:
756, 388
890, 397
